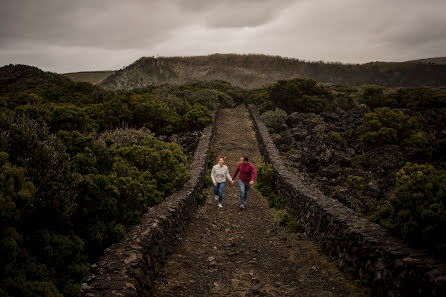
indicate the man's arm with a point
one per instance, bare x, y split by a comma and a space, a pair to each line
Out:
253, 174
235, 173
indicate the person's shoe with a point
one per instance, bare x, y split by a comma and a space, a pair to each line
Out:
216, 197
220, 206
242, 207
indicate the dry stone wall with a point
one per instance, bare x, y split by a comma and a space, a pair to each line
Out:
384, 265
128, 267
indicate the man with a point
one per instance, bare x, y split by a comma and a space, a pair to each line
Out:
247, 177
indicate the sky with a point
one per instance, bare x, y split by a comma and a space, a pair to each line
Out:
87, 35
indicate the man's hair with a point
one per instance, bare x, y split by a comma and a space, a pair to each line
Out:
245, 158
221, 157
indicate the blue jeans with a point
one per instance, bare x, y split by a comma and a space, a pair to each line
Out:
218, 191
244, 188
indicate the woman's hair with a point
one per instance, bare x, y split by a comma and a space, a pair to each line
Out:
221, 157
245, 158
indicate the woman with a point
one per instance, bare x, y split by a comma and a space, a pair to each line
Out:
219, 174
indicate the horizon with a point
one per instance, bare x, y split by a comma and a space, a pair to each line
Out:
160, 57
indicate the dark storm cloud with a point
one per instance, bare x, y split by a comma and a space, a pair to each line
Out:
63, 35
109, 24
236, 13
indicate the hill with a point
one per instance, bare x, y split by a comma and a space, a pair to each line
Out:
93, 77
439, 60
253, 71
22, 84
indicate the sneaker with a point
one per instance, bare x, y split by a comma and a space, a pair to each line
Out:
242, 206
216, 197
219, 205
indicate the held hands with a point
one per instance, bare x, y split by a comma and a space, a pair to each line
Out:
232, 181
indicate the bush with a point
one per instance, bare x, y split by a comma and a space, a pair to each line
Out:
354, 183
47, 166
197, 117
274, 119
410, 98
374, 97
300, 94
124, 137
34, 258
265, 179
417, 209
335, 137
392, 126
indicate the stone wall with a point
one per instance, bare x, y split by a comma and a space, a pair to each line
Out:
383, 264
128, 267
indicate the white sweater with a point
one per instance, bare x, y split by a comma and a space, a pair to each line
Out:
218, 173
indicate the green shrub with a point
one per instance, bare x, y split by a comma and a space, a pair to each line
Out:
335, 137
359, 161
124, 137
354, 183
47, 166
392, 126
420, 98
274, 119
34, 258
375, 97
275, 201
299, 94
197, 117
417, 209
286, 219
265, 179
201, 198
294, 151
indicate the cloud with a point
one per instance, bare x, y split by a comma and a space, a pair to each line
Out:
81, 35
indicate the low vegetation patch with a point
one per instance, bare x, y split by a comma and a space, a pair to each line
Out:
265, 184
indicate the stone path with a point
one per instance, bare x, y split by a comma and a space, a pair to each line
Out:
228, 252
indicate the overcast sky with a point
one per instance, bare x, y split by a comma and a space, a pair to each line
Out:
77, 35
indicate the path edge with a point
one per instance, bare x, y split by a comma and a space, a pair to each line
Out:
128, 267
383, 264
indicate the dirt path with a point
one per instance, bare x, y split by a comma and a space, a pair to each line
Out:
228, 252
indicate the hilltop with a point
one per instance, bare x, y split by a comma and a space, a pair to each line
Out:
438, 60
253, 71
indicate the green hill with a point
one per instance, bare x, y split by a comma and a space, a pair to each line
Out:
253, 71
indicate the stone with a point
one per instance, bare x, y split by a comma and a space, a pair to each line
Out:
255, 288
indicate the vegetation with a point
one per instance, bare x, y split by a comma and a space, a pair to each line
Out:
404, 123
392, 126
417, 210
93, 77
274, 119
409, 98
79, 165
255, 71
300, 94
265, 185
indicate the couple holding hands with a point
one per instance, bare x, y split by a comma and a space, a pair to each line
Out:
247, 176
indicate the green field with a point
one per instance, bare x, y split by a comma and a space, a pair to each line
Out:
93, 77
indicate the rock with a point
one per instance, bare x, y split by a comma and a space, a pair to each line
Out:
213, 263
255, 288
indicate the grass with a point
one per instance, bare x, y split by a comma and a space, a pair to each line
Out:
93, 77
